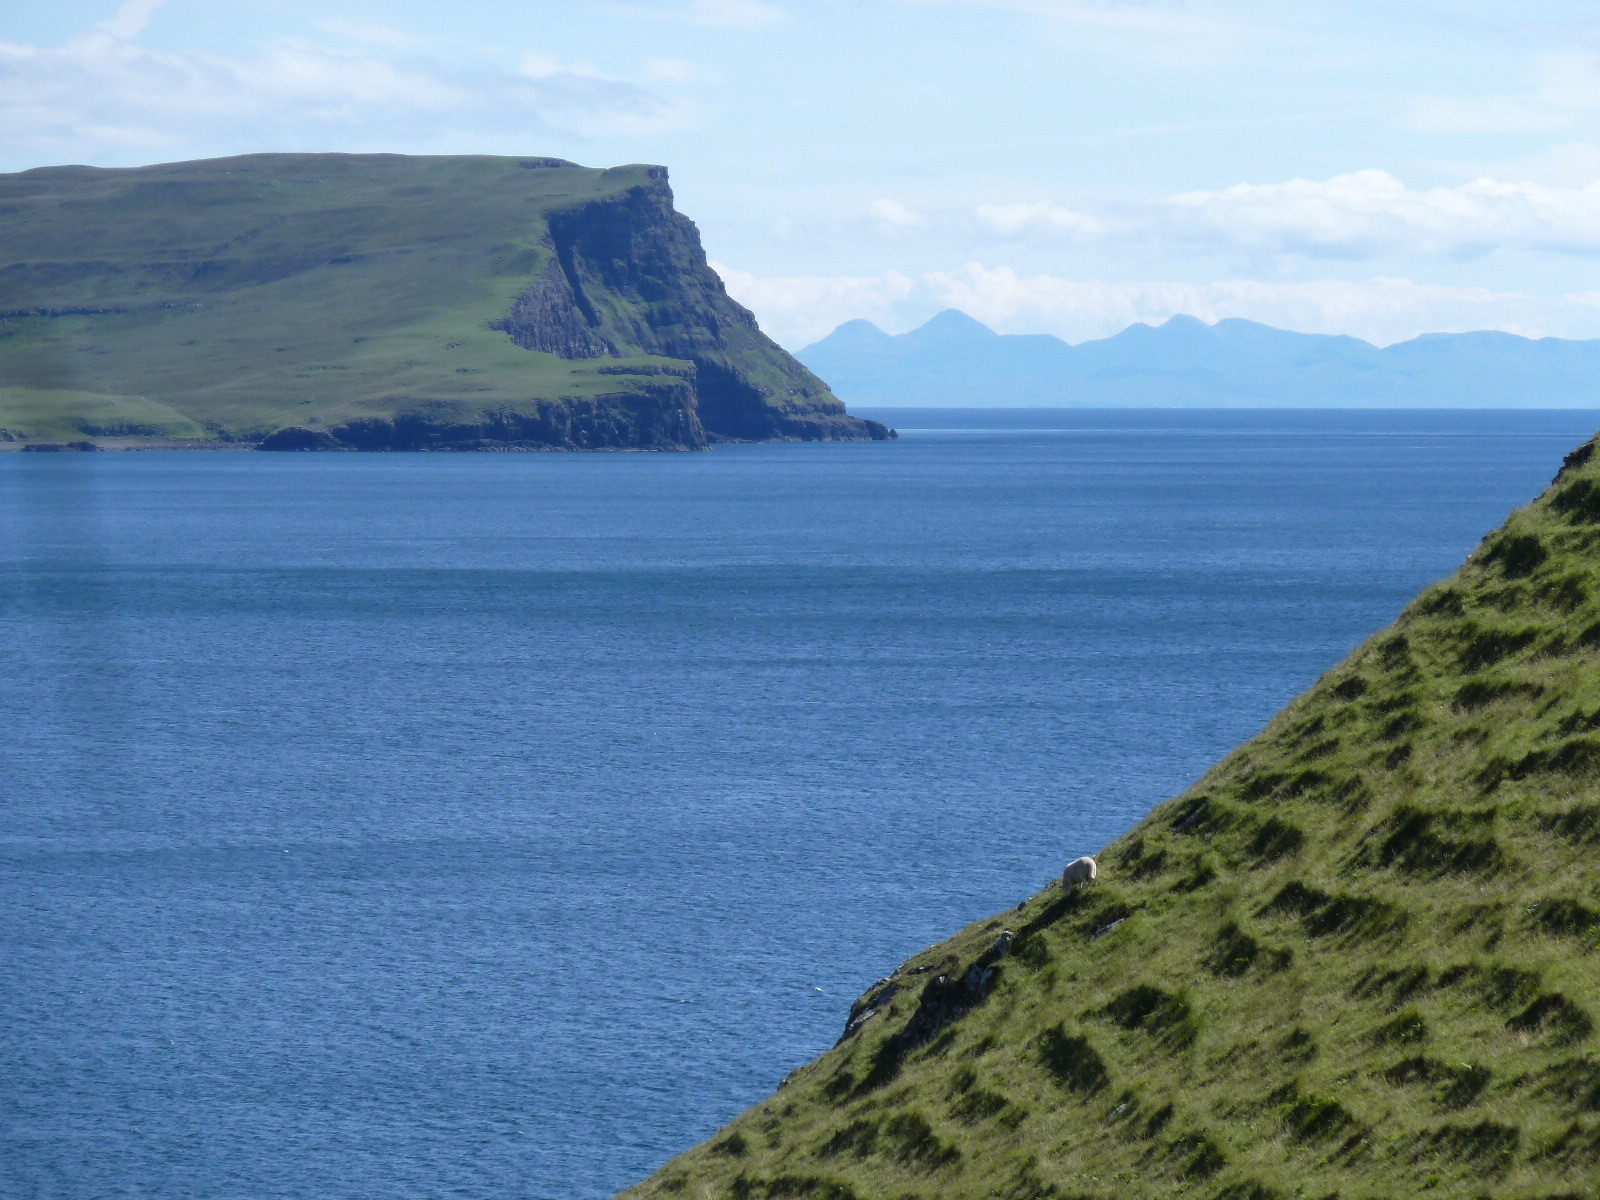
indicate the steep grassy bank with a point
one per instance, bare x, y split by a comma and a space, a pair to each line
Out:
380, 301
1360, 958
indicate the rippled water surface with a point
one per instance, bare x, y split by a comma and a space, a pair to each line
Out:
499, 825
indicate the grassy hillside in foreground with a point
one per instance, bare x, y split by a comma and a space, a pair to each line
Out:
229, 298
1359, 959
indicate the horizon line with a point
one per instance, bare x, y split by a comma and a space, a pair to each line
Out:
1439, 333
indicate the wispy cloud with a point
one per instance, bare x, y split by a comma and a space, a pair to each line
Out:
1483, 114
1381, 310
130, 21
1563, 89
892, 214
798, 310
670, 70
1010, 220
1370, 213
1364, 214
104, 95
371, 33
735, 14
1168, 32
708, 14
1568, 79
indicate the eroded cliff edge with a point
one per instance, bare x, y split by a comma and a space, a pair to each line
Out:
380, 302
627, 274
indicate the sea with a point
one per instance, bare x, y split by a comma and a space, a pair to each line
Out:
500, 825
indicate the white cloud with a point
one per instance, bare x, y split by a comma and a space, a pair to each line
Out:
377, 35
1364, 214
1564, 87
799, 310
544, 66
130, 21
669, 70
1483, 114
1012, 220
1170, 31
1369, 213
1566, 164
707, 14
1380, 310
103, 96
735, 14
1568, 79
894, 214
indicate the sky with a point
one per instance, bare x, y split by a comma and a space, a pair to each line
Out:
1070, 167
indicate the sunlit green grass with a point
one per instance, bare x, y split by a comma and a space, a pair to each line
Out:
65, 415
1357, 959
238, 295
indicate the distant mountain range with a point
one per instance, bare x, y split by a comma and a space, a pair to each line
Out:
956, 362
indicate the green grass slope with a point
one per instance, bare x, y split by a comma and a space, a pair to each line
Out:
229, 298
1359, 959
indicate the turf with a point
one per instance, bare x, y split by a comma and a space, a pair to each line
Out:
1359, 959
231, 297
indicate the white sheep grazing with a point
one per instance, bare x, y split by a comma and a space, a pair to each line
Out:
1080, 872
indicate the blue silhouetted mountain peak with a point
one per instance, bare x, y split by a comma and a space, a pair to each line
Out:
1181, 325
952, 326
956, 361
1175, 331
859, 332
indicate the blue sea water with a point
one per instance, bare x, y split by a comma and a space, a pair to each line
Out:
500, 825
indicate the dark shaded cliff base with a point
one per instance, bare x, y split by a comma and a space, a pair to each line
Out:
380, 302
830, 427
634, 424
650, 420
1358, 960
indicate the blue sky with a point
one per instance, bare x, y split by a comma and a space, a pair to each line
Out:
1061, 166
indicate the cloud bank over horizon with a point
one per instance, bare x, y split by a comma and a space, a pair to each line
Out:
1363, 214
1060, 166
799, 310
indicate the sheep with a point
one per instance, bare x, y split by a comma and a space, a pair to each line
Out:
1080, 873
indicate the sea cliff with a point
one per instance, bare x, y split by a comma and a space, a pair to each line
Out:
380, 302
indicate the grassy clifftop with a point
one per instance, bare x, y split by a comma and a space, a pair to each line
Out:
1359, 959
371, 298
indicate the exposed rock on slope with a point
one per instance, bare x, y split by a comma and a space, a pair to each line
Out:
380, 301
1359, 959
632, 268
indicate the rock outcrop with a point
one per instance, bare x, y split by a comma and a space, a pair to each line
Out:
381, 302
661, 418
628, 273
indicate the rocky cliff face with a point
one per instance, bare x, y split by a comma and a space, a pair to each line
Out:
380, 302
628, 275
659, 417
